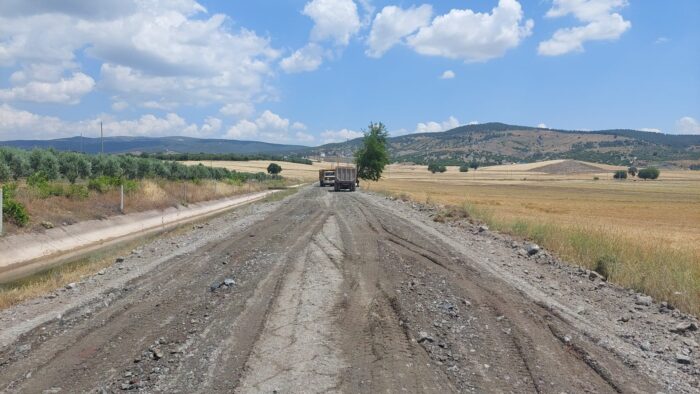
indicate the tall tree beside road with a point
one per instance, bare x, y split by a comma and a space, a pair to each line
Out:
373, 155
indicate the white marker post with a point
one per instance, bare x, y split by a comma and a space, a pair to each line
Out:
0, 210
121, 198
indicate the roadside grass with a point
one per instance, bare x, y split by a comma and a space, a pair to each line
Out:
641, 235
142, 195
646, 265
281, 195
47, 281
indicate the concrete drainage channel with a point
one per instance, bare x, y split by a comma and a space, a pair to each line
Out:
26, 254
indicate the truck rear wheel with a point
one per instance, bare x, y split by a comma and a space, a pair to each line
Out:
322, 185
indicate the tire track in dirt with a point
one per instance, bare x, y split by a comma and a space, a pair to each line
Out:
297, 350
375, 334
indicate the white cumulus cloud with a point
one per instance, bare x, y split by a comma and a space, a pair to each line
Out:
147, 50
269, 127
329, 136
688, 125
448, 74
335, 20
602, 23
473, 36
308, 58
15, 122
394, 23
65, 91
434, 127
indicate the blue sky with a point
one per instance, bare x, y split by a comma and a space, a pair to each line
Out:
317, 71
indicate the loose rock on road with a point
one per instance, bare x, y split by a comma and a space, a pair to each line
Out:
342, 292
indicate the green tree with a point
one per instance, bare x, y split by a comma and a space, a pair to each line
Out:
274, 169
474, 164
434, 167
19, 164
5, 172
145, 168
111, 167
373, 155
632, 171
74, 166
199, 171
46, 162
464, 168
649, 173
130, 166
620, 174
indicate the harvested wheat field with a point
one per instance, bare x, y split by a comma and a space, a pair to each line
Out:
646, 234
292, 171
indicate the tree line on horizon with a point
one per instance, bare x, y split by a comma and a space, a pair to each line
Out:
51, 165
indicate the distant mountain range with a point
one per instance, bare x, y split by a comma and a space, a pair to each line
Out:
488, 143
155, 144
492, 143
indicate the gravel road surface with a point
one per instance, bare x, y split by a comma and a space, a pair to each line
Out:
345, 292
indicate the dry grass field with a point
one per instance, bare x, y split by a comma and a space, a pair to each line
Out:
148, 194
291, 171
643, 234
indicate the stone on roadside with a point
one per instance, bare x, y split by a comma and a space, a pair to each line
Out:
229, 282
157, 354
643, 300
483, 228
119, 260
47, 225
71, 286
682, 327
646, 346
533, 249
424, 336
683, 359
592, 275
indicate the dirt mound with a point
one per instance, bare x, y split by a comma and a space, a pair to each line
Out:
568, 167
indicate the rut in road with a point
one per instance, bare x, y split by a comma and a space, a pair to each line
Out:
332, 292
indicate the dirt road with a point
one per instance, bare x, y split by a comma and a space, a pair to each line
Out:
341, 292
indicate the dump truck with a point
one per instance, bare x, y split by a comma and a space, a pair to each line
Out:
345, 178
326, 177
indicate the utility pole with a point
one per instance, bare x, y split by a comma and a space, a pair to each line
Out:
121, 198
102, 140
